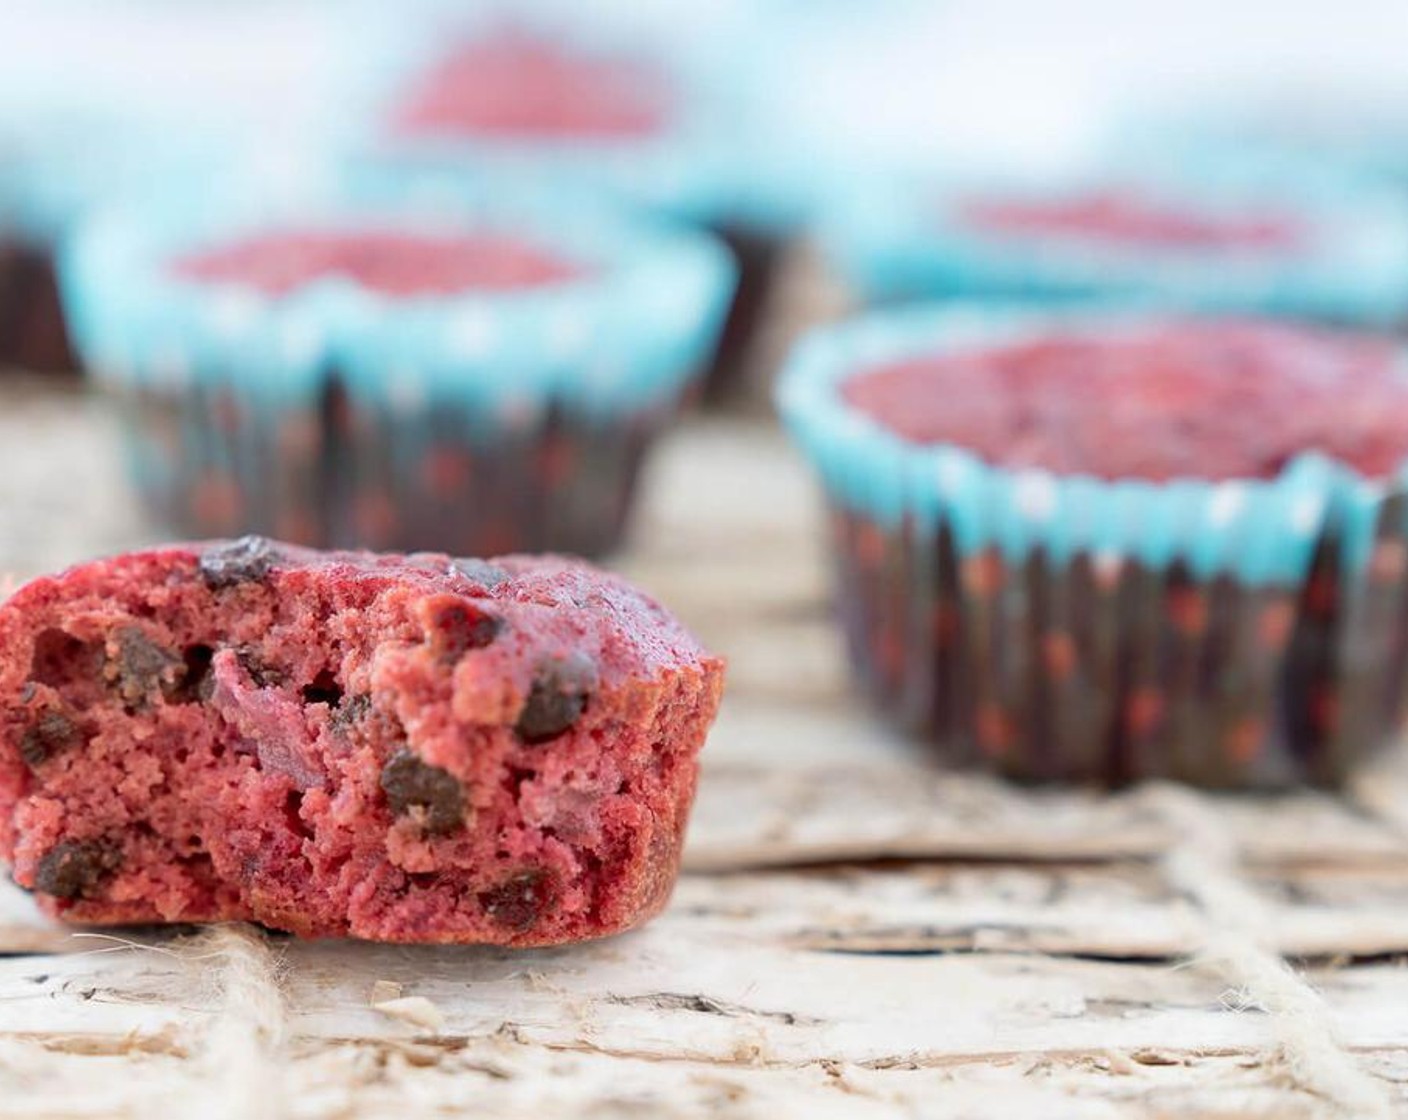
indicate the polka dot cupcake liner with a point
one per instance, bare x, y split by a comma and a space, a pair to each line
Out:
1235, 634
1331, 247
476, 422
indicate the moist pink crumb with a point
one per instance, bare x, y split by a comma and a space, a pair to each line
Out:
400, 748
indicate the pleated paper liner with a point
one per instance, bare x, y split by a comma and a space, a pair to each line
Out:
1119, 672
1244, 633
471, 422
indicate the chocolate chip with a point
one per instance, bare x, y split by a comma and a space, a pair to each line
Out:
519, 901
247, 560
480, 572
415, 788
260, 671
52, 732
349, 713
457, 627
558, 697
140, 665
75, 868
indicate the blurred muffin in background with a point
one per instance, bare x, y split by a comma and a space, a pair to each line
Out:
1290, 126
43, 179
476, 379
54, 181
1325, 248
648, 118
143, 98
1104, 547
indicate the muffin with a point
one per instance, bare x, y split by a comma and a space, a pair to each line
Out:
401, 748
1293, 128
479, 379
641, 121
1114, 546
1237, 241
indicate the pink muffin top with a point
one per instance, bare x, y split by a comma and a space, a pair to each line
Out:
1211, 400
513, 86
398, 264
1128, 220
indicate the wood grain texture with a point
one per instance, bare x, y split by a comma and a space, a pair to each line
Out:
858, 933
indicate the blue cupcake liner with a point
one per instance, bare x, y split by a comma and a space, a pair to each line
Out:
1351, 136
904, 240
1259, 531
630, 333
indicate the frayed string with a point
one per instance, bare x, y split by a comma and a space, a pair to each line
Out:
240, 1074
1204, 865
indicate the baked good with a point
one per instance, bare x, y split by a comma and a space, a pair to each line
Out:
400, 748
1237, 241
644, 124
1108, 547
477, 378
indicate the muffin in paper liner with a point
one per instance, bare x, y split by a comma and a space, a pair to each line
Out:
1241, 633
678, 138
1237, 237
471, 421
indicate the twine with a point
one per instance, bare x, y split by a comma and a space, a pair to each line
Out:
241, 1078
1238, 939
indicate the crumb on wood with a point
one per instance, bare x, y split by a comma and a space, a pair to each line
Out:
383, 991
417, 1011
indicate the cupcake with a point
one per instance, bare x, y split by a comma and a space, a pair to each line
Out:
1236, 241
1109, 546
50, 181
475, 380
644, 121
1290, 128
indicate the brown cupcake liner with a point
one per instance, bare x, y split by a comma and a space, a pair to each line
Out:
1112, 672
33, 335
209, 462
760, 255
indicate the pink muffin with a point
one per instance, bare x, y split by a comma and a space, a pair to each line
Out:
399, 748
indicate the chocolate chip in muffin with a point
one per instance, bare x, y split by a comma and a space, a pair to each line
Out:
247, 560
519, 901
456, 627
260, 671
51, 733
426, 793
352, 711
479, 572
137, 665
558, 698
75, 869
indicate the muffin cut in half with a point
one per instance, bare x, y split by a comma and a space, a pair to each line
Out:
399, 748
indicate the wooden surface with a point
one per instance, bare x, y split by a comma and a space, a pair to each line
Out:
857, 934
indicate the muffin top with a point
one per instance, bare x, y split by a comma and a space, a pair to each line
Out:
391, 263
1126, 218
510, 85
1178, 399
